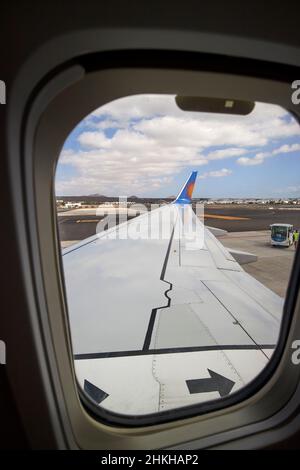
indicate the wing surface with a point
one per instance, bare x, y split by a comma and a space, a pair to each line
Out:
159, 310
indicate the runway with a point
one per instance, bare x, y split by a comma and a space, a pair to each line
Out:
79, 227
239, 218
82, 223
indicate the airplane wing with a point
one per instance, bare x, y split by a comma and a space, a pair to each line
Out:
162, 315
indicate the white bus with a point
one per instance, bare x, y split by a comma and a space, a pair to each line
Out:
281, 234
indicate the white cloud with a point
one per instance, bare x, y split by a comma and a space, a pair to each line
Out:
216, 174
200, 133
137, 107
259, 158
286, 148
94, 139
154, 139
225, 153
252, 161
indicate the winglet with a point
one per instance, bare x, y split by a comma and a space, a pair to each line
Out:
185, 195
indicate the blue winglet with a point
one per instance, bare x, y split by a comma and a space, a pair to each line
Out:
185, 195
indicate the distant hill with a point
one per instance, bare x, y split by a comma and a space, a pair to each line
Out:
94, 199
99, 198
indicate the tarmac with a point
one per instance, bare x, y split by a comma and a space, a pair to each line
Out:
231, 217
247, 231
274, 264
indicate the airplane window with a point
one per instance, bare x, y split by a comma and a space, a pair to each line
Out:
178, 228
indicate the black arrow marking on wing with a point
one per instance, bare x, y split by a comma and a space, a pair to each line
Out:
95, 393
216, 383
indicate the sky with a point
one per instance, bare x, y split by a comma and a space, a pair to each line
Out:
144, 145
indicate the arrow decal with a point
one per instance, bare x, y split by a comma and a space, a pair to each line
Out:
216, 383
95, 393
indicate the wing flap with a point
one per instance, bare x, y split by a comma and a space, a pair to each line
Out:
139, 385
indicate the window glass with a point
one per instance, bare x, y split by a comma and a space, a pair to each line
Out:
177, 232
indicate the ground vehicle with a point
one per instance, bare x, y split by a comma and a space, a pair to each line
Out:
281, 234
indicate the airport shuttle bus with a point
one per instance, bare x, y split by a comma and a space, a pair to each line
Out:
281, 234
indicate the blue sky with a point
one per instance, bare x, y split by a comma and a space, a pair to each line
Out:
145, 146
